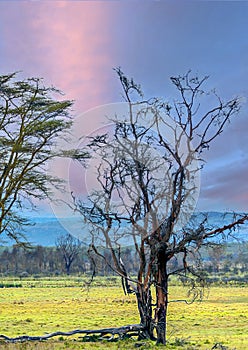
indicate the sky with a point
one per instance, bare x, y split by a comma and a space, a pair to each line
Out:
74, 45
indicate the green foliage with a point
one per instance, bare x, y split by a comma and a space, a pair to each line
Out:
31, 122
10, 285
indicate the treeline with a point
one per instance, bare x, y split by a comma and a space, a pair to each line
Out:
219, 261
39, 260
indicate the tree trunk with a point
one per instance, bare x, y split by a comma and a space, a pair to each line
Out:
144, 300
68, 267
161, 297
161, 311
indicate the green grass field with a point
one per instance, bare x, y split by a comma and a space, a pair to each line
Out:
45, 306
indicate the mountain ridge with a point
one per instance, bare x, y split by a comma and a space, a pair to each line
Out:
45, 230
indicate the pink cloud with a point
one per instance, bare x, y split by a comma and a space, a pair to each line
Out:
67, 43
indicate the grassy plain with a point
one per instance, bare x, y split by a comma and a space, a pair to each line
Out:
48, 305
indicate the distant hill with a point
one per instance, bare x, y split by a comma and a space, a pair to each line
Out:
45, 230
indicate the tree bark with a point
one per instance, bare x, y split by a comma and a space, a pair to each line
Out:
161, 296
144, 300
119, 331
68, 267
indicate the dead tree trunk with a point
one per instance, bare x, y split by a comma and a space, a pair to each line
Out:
161, 295
144, 300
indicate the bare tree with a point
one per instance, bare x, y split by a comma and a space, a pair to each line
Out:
216, 253
31, 122
69, 247
146, 188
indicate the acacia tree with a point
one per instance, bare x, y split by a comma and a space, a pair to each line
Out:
69, 248
146, 182
31, 122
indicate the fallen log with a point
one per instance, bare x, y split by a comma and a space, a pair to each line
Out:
120, 331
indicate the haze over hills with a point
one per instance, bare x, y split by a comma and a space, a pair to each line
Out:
45, 230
